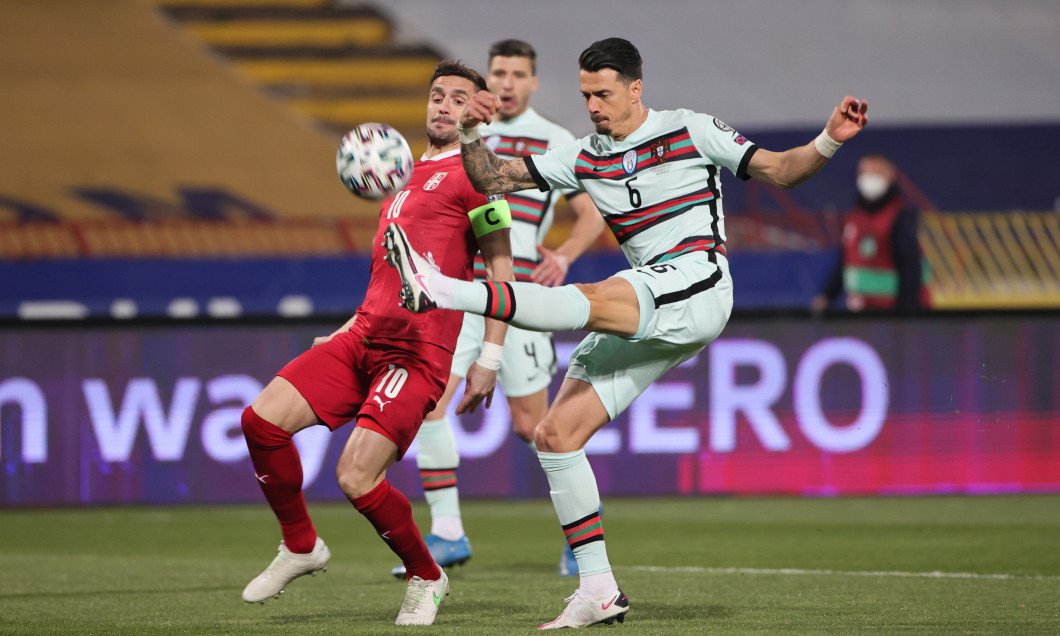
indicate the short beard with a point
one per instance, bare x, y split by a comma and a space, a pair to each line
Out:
443, 140
603, 129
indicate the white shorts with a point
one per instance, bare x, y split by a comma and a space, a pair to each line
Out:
684, 305
527, 362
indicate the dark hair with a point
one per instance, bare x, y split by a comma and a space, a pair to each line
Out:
878, 156
456, 69
616, 54
515, 48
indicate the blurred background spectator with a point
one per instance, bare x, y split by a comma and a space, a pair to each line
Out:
880, 265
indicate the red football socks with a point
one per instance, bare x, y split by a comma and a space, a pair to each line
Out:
391, 514
279, 472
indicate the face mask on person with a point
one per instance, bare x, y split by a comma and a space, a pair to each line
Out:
872, 186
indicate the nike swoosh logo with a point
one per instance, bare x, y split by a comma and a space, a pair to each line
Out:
437, 599
609, 603
419, 279
599, 169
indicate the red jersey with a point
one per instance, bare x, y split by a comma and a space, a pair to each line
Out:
432, 209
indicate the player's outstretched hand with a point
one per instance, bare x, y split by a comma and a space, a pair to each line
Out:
848, 118
552, 270
480, 109
479, 386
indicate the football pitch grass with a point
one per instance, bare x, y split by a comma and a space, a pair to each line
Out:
689, 566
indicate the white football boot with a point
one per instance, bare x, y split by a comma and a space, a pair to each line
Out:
286, 567
422, 599
414, 270
445, 553
583, 611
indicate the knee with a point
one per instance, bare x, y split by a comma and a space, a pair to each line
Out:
593, 292
260, 433
523, 430
353, 482
550, 438
526, 412
523, 425
613, 306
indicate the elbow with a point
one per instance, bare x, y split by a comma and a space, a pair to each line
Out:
779, 178
788, 173
479, 185
790, 182
785, 183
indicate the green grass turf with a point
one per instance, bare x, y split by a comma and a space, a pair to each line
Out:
181, 570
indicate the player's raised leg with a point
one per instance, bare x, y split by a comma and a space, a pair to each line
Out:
361, 474
576, 414
268, 425
610, 306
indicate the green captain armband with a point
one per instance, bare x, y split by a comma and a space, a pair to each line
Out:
495, 215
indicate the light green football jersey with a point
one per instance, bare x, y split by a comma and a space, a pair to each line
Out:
659, 189
532, 210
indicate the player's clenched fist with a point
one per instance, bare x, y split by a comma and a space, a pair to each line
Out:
480, 109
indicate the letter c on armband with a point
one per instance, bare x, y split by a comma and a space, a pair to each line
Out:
491, 217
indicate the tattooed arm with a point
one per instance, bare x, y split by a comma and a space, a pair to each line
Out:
492, 175
487, 172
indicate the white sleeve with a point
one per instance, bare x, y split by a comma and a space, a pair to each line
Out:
560, 136
555, 168
722, 145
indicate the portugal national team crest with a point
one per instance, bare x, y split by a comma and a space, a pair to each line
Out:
629, 161
493, 141
660, 149
434, 181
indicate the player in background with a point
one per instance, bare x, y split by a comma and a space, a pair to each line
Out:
529, 358
385, 368
654, 176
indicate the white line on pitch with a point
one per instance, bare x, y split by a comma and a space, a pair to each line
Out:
797, 572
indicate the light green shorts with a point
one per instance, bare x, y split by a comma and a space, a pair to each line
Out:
527, 362
684, 305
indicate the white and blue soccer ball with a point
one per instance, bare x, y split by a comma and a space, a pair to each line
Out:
374, 161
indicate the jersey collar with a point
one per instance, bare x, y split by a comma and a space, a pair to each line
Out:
606, 143
439, 157
526, 114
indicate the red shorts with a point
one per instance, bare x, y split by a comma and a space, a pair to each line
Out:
389, 386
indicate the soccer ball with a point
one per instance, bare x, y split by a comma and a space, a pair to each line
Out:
374, 161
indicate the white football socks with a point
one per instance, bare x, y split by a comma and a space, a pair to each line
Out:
438, 459
576, 498
525, 305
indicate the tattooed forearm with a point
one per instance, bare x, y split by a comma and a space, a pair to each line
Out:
490, 174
